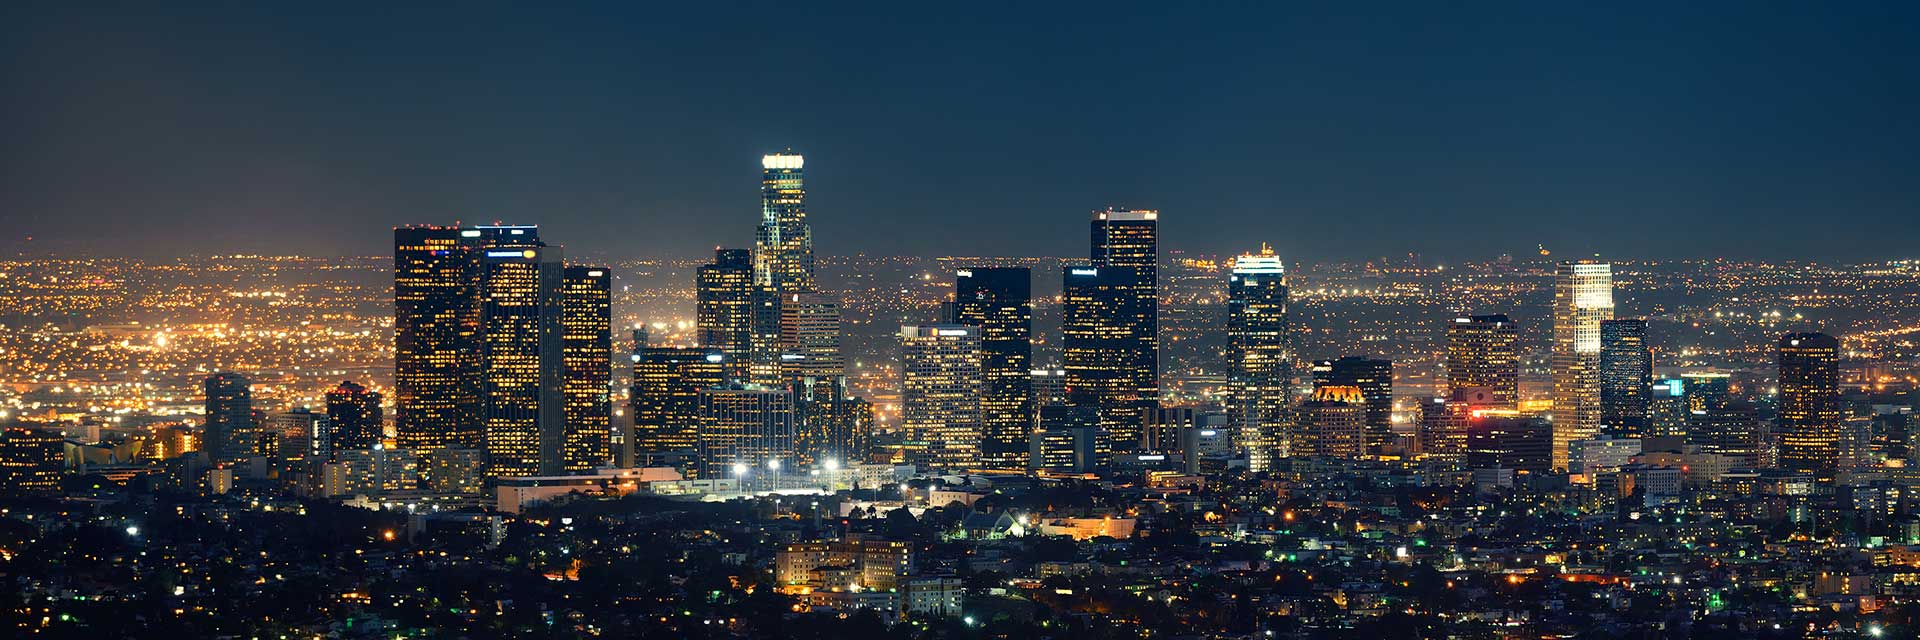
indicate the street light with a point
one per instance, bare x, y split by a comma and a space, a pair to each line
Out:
833, 465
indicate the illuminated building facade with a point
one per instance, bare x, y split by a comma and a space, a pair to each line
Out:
31, 459
1069, 440
1102, 317
586, 323
746, 425
1334, 423
1732, 430
229, 415
1259, 356
354, 418
436, 325
999, 300
1810, 413
1129, 240
940, 392
1374, 378
1582, 299
1483, 353
1626, 377
783, 246
666, 395
1444, 422
1502, 439
522, 390
724, 305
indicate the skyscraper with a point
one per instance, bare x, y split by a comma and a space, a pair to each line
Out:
1334, 423
1483, 353
1374, 380
586, 321
1626, 377
783, 247
940, 392
229, 415
809, 344
1810, 414
666, 396
522, 391
1259, 356
31, 459
1582, 298
999, 301
746, 425
1130, 239
353, 418
724, 305
436, 322
1101, 318
1501, 439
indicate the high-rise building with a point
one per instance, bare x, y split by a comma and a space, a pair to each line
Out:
31, 459
666, 395
1626, 377
1374, 378
1810, 414
1130, 240
436, 322
783, 247
354, 418
1706, 390
746, 425
999, 300
1483, 353
1444, 422
724, 307
586, 324
1259, 356
1732, 430
303, 434
1503, 439
1334, 423
1667, 408
1101, 320
1069, 440
229, 415
940, 392
1582, 299
522, 347
809, 341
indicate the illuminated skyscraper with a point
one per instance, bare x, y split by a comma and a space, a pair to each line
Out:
1101, 319
229, 415
1810, 413
940, 392
1333, 423
1259, 356
666, 396
783, 248
1374, 378
1582, 298
522, 346
745, 425
1131, 240
724, 308
1502, 439
436, 322
999, 300
586, 323
810, 337
1626, 377
31, 460
1483, 353
353, 418
1733, 430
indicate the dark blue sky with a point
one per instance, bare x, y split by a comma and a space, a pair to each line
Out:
634, 129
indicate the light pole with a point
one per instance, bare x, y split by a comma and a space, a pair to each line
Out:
773, 465
740, 475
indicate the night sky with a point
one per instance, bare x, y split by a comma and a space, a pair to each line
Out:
634, 129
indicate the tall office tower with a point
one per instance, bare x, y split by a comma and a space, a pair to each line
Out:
742, 424
586, 324
1706, 390
1334, 423
1259, 356
1374, 378
522, 346
1810, 414
1626, 377
666, 396
783, 248
724, 309
436, 322
1069, 440
1130, 239
1483, 353
940, 393
303, 434
1444, 422
353, 418
1503, 439
999, 300
1732, 430
1049, 387
809, 343
229, 406
1667, 408
1101, 319
31, 460
1582, 298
